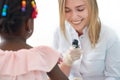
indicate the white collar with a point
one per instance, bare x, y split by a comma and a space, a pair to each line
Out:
72, 34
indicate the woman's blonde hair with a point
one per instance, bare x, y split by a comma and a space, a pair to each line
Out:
94, 21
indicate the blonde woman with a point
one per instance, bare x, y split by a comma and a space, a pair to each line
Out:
100, 58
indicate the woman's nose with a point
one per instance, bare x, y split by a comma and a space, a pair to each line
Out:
74, 15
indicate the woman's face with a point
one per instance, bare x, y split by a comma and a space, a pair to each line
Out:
76, 13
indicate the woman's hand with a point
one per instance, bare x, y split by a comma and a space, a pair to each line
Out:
72, 55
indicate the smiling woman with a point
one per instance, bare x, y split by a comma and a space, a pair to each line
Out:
77, 14
48, 18
80, 20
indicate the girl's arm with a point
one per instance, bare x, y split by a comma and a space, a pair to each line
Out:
57, 74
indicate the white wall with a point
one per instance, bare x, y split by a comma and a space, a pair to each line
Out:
109, 13
48, 19
45, 23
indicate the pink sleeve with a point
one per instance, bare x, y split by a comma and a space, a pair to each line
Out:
41, 59
50, 57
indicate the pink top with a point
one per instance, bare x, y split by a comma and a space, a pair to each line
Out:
27, 64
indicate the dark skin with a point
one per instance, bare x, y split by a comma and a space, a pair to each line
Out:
18, 41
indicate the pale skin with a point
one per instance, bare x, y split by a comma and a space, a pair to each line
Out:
76, 13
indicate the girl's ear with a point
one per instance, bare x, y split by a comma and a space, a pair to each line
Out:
29, 25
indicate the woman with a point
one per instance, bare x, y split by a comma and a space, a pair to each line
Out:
100, 57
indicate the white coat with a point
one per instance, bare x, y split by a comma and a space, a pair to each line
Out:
99, 63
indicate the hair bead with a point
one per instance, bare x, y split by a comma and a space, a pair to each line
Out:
35, 11
4, 10
23, 5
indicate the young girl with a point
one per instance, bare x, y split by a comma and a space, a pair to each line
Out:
18, 60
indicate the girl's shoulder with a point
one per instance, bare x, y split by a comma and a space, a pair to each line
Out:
41, 58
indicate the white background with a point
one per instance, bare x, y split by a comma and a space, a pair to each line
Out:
48, 19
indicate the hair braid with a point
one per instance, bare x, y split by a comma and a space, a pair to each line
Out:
15, 17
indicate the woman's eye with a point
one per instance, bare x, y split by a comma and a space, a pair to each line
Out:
80, 9
67, 10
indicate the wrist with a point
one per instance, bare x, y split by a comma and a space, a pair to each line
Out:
67, 60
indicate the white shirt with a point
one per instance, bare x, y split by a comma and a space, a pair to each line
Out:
99, 63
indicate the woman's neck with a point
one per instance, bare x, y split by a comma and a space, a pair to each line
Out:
79, 33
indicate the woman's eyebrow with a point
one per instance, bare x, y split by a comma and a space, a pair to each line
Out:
67, 7
76, 6
80, 6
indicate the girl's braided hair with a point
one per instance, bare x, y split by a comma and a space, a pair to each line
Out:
14, 13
